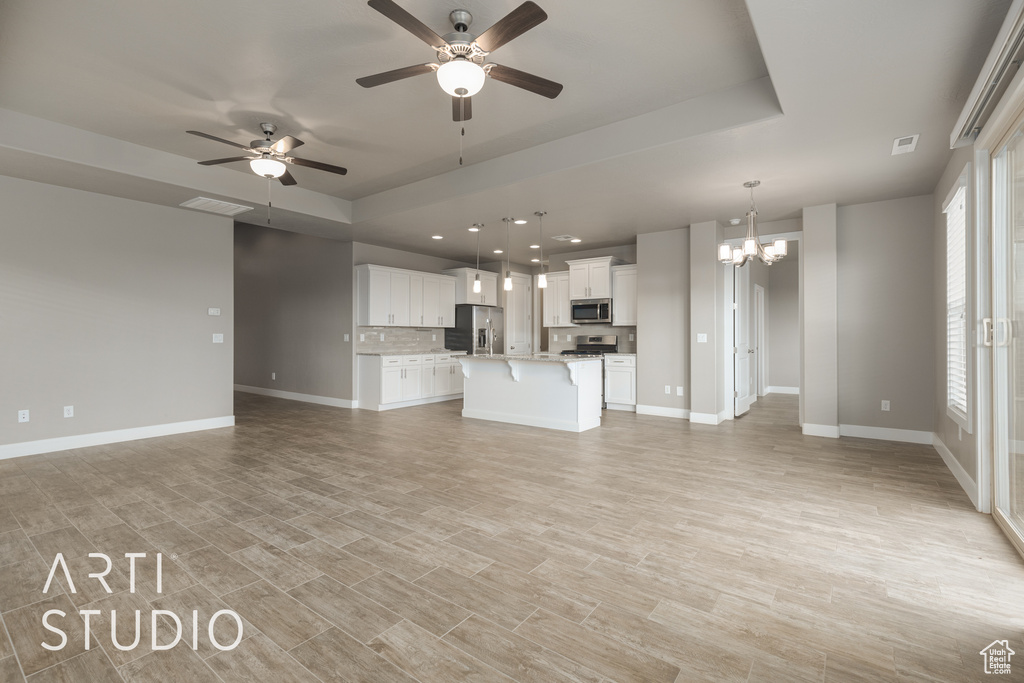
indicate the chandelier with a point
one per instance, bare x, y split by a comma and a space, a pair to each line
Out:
769, 252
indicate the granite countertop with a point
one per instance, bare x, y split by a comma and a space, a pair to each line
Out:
408, 352
537, 358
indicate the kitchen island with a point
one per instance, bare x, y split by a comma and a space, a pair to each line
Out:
543, 390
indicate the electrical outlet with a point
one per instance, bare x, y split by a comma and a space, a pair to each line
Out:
382, 336
702, 339
69, 411
362, 337
346, 338
22, 416
679, 391
213, 311
632, 337
668, 390
433, 337
218, 338
273, 375
885, 406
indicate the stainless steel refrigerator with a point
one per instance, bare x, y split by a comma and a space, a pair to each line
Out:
479, 330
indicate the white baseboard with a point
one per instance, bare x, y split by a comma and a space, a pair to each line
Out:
966, 481
706, 418
886, 434
827, 431
530, 421
782, 390
413, 402
679, 413
305, 398
629, 407
64, 443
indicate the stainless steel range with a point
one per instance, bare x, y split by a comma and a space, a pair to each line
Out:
594, 345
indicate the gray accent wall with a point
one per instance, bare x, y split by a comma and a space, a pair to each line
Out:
663, 318
784, 321
886, 316
104, 307
294, 298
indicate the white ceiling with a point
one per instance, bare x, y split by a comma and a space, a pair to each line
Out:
668, 107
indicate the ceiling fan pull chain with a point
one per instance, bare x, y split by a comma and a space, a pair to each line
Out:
269, 183
462, 136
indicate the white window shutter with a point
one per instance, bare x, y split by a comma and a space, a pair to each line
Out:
957, 342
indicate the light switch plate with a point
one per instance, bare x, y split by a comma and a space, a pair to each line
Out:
69, 411
668, 389
702, 339
346, 337
679, 391
213, 311
382, 336
632, 337
885, 406
273, 375
218, 338
362, 337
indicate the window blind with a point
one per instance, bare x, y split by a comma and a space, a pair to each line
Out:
956, 304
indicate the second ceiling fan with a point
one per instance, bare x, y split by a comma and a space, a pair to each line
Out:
461, 71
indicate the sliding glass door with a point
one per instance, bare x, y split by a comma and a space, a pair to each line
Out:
1003, 331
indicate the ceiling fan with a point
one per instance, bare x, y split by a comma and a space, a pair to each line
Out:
268, 158
461, 70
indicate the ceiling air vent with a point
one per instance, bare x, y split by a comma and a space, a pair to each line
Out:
904, 145
564, 238
215, 206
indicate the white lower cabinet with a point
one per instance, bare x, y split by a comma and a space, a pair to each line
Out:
620, 381
386, 382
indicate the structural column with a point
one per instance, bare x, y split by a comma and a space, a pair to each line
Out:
819, 360
708, 400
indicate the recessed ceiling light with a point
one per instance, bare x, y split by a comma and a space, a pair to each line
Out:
575, 240
535, 260
436, 237
734, 221
534, 246
498, 251
519, 221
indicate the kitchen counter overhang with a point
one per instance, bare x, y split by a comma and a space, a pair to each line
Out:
549, 391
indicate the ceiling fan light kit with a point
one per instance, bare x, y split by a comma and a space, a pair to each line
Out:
461, 70
267, 167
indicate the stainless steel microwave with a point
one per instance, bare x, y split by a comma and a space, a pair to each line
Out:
591, 311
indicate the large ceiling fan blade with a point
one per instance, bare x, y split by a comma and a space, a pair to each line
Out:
408, 22
512, 25
462, 108
286, 144
395, 75
317, 165
214, 137
213, 162
287, 178
521, 79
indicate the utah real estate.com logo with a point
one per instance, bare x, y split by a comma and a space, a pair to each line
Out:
997, 657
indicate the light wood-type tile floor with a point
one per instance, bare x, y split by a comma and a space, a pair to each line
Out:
418, 545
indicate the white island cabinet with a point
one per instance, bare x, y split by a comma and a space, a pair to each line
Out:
554, 392
388, 381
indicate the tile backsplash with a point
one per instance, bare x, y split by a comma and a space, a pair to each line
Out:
562, 343
399, 339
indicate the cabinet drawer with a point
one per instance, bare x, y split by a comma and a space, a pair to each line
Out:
620, 360
445, 358
428, 360
390, 361
412, 360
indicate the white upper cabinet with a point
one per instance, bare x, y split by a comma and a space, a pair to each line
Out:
464, 294
591, 278
624, 295
555, 301
404, 298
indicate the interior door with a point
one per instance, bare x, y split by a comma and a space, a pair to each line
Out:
1003, 331
742, 350
518, 307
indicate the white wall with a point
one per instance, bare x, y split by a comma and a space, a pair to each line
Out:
886, 316
819, 372
104, 307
